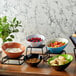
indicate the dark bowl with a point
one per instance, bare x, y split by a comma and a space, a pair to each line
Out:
30, 56
61, 67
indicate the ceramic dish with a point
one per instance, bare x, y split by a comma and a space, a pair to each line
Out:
33, 62
13, 45
35, 44
58, 49
61, 67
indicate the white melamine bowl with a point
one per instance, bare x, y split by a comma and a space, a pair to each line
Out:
35, 44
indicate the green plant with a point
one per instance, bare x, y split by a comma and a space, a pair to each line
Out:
8, 27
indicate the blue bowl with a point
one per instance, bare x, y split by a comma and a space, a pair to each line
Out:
58, 49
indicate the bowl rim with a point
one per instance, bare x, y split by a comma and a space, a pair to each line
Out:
13, 43
56, 40
35, 35
58, 56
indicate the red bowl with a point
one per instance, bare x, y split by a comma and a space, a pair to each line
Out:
13, 45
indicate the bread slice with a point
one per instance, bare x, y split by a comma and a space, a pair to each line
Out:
73, 35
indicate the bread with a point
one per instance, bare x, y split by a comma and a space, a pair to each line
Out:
73, 35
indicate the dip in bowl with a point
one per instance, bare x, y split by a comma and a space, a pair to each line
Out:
13, 49
33, 59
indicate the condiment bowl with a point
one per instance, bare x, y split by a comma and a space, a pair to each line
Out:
33, 62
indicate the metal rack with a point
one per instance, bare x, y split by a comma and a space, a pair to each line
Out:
20, 60
45, 55
39, 47
73, 39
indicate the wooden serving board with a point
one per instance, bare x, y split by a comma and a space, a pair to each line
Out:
43, 69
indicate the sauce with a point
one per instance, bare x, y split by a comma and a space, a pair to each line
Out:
32, 60
13, 50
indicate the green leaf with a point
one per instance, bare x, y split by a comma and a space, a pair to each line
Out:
17, 22
5, 34
0, 30
14, 19
4, 40
9, 31
11, 25
16, 30
20, 25
9, 39
0, 21
12, 36
53, 42
0, 35
16, 25
8, 27
4, 19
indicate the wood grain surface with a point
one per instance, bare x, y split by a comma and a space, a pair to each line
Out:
43, 69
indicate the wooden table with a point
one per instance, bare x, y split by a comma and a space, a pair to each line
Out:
42, 70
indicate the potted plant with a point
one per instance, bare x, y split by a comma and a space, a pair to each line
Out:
7, 28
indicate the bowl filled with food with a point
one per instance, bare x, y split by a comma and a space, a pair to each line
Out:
60, 62
56, 45
33, 59
13, 49
35, 40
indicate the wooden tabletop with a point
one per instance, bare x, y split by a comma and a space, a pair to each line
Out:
41, 70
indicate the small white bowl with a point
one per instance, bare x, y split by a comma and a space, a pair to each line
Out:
35, 44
